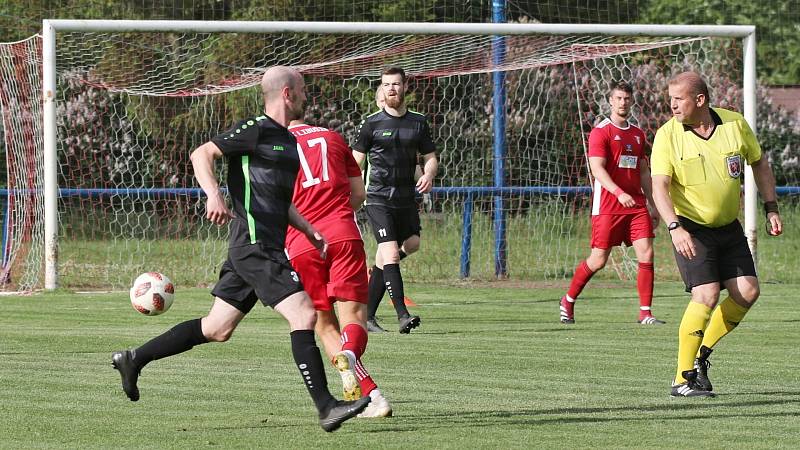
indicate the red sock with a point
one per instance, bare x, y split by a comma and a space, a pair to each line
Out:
354, 338
582, 276
364, 380
644, 283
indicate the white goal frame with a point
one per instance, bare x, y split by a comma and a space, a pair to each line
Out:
50, 29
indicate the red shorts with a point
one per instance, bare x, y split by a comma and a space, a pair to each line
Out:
610, 230
342, 274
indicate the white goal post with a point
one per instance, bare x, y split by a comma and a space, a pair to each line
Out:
52, 28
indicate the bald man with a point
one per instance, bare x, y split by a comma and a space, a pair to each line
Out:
697, 167
262, 166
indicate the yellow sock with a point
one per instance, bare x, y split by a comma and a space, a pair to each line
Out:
724, 319
690, 334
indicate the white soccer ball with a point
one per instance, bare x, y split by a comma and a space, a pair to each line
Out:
152, 293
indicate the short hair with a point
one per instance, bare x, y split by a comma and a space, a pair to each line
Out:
276, 77
623, 86
394, 70
693, 81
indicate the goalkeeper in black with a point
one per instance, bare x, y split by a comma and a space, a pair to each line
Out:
390, 140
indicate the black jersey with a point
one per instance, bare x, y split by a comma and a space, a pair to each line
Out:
392, 144
262, 167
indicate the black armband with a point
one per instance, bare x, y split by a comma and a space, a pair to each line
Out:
770, 207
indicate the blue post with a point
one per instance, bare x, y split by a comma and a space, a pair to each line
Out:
5, 232
499, 128
466, 236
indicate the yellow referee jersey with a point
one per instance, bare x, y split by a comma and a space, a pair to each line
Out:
705, 173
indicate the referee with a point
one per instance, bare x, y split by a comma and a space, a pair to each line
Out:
392, 138
697, 165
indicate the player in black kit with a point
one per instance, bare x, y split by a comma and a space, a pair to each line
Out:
391, 139
262, 166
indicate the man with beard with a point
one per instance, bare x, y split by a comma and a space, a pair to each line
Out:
262, 166
391, 139
622, 204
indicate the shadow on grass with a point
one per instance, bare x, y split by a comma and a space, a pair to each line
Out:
689, 409
686, 409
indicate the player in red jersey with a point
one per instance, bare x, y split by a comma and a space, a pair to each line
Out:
622, 205
328, 190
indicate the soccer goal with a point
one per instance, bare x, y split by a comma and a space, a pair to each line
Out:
106, 187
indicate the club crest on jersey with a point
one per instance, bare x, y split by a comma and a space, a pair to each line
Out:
734, 164
628, 147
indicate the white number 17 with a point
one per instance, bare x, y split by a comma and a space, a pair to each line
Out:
310, 179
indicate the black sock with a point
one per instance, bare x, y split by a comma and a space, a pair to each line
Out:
309, 361
394, 285
376, 291
402, 255
178, 339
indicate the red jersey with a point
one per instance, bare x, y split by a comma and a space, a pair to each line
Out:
322, 188
624, 150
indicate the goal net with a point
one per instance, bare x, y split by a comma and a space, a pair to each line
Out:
131, 106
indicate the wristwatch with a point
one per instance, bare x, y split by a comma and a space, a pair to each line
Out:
673, 225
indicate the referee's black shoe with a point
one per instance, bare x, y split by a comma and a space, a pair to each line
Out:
129, 371
408, 323
701, 365
340, 411
689, 388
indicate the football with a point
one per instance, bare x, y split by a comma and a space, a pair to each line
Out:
152, 293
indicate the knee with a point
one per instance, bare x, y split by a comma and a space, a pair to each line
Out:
218, 334
750, 294
596, 263
646, 256
706, 297
304, 319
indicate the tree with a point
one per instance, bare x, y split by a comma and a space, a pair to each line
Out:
775, 20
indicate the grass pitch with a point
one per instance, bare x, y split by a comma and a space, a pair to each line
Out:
490, 367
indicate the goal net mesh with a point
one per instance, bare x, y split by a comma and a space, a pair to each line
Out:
132, 106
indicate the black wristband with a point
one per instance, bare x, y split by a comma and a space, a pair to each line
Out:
770, 207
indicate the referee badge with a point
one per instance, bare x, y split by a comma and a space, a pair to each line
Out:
734, 164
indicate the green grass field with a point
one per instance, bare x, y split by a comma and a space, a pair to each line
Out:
490, 367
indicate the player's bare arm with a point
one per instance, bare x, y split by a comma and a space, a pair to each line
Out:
203, 164
298, 221
765, 181
361, 158
358, 192
598, 166
430, 169
681, 238
647, 189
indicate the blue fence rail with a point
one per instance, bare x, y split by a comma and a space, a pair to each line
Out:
470, 195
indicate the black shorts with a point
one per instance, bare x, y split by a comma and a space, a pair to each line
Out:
393, 224
251, 273
720, 254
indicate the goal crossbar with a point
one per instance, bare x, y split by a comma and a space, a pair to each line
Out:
731, 31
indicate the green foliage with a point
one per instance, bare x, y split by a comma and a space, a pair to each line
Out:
777, 34
779, 135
